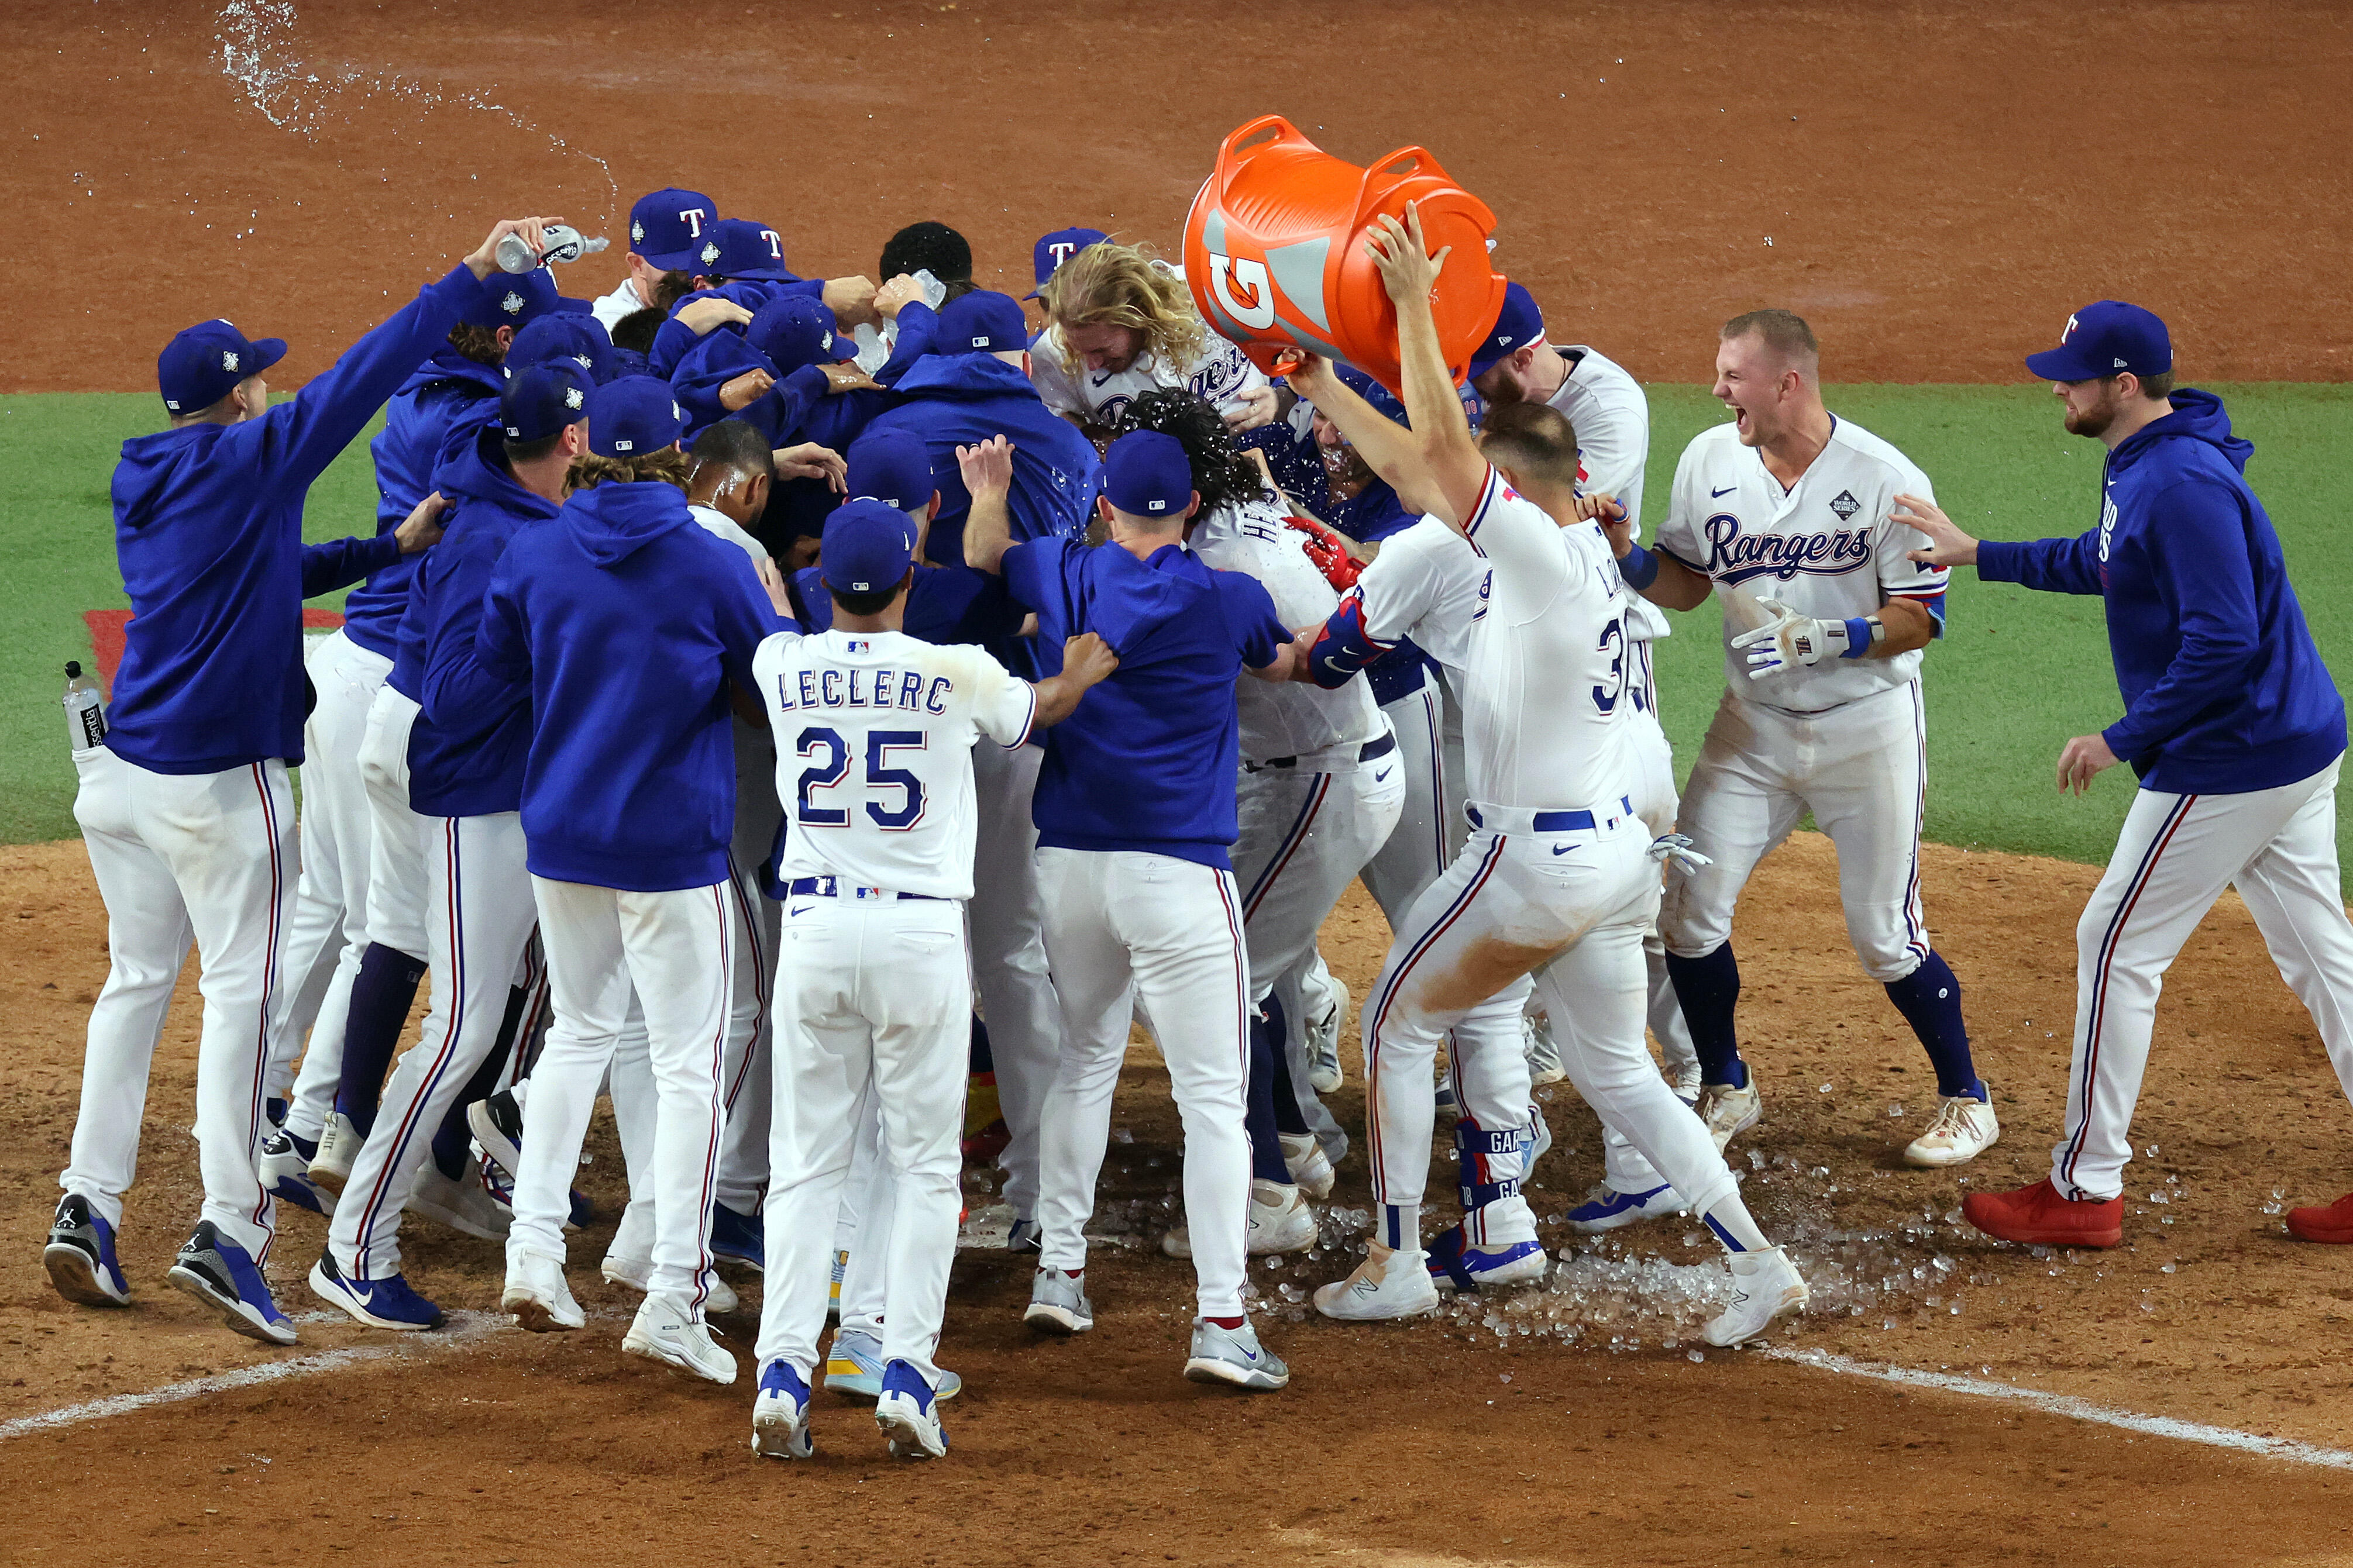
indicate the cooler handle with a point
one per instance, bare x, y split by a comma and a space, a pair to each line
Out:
1230, 149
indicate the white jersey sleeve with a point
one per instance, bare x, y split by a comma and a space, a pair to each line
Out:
1427, 584
1221, 373
1004, 706
719, 525
1523, 547
1607, 408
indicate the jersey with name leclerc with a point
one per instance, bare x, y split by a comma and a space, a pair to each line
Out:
874, 735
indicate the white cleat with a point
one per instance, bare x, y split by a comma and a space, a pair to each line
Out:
339, 1147
1308, 1164
1766, 1288
780, 1414
638, 1274
1059, 1304
1963, 1129
537, 1296
666, 1330
463, 1206
1323, 1037
1388, 1283
1279, 1221
1543, 1056
1728, 1111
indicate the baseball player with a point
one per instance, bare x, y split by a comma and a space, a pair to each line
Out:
1823, 711
1120, 323
665, 230
466, 756
2232, 723
929, 246
1557, 876
1046, 257
185, 808
626, 621
1611, 418
877, 993
975, 385
1136, 811
1319, 792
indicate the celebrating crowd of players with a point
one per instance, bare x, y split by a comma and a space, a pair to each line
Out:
764, 725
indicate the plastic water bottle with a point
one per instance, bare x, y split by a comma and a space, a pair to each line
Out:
874, 349
564, 243
85, 709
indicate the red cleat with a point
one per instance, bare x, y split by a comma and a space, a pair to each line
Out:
2332, 1224
2039, 1214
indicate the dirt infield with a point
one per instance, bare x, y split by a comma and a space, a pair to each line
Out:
1937, 187
1583, 1433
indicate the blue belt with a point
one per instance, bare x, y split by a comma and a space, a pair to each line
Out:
1373, 750
1557, 821
834, 888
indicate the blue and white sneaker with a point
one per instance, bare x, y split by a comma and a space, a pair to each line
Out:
780, 1415
1456, 1266
224, 1277
285, 1170
1023, 1236
1606, 1208
81, 1256
853, 1368
742, 1237
386, 1303
909, 1414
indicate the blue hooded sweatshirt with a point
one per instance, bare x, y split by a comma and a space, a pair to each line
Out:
467, 749
674, 337
1148, 760
208, 530
626, 621
2224, 692
417, 425
797, 408
963, 399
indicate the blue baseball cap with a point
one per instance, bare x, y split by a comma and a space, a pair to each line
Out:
1384, 401
668, 227
204, 364
981, 323
793, 332
518, 298
892, 467
2106, 339
542, 399
1147, 474
633, 415
578, 340
1520, 324
1059, 247
739, 247
867, 547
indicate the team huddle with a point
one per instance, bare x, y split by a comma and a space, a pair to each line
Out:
802, 711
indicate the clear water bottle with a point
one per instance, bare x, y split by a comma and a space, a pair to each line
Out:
85, 708
875, 348
564, 243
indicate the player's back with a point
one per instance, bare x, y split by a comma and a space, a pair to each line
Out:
874, 735
1283, 718
1545, 703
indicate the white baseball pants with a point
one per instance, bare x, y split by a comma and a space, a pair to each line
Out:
743, 1081
1122, 927
331, 904
874, 1006
2176, 854
478, 918
1429, 827
208, 855
1009, 954
677, 950
1861, 768
395, 864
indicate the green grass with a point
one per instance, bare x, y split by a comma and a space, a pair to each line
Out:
2016, 674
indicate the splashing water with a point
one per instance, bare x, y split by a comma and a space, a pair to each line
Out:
258, 52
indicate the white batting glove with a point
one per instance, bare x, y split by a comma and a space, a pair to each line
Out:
1790, 640
1676, 850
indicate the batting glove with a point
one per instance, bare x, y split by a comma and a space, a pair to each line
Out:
1329, 551
1676, 850
1791, 639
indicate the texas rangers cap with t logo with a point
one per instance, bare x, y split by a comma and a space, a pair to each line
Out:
542, 399
981, 323
1147, 474
2106, 339
518, 298
200, 367
867, 548
1520, 324
1059, 247
739, 247
577, 340
892, 467
668, 227
632, 416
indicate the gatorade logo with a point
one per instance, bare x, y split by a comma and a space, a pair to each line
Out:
1226, 274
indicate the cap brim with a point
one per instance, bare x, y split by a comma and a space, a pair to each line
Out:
270, 350
764, 275
566, 305
673, 260
2063, 363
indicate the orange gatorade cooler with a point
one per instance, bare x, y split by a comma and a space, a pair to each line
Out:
1275, 252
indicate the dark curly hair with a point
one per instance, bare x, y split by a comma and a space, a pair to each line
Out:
1222, 475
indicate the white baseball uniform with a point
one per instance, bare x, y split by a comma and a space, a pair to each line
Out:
875, 734
1223, 375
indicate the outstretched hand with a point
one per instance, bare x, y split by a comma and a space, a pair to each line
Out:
1408, 269
485, 259
1947, 545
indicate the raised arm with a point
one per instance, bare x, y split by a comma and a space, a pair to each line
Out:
988, 472
1440, 428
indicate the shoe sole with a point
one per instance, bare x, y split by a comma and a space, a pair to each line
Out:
636, 1344
536, 1316
494, 1143
2319, 1237
78, 1279
781, 1439
233, 1312
1526, 1270
1788, 1309
1056, 1319
2027, 1237
1723, 1140
854, 1385
909, 1438
1209, 1368
456, 1221
1421, 1310
302, 1194
334, 1295
1326, 1083
1940, 1161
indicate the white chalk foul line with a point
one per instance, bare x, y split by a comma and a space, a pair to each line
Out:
464, 1329
2069, 1406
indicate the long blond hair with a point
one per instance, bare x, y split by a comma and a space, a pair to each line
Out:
670, 465
1126, 286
